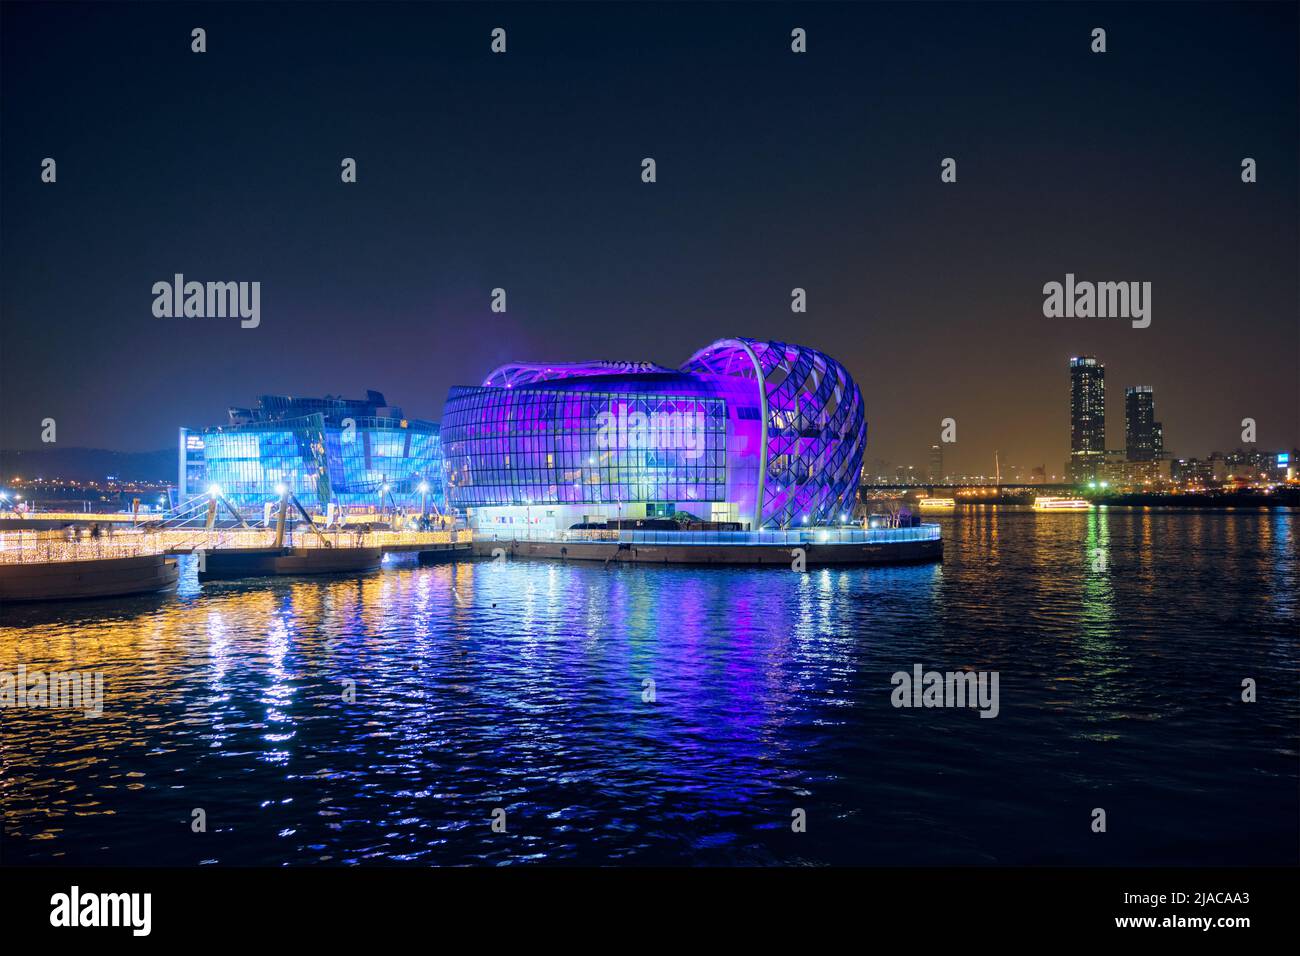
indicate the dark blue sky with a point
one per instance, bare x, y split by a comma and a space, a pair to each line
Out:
775, 171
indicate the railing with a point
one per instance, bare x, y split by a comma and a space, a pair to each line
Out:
39, 547
388, 540
34, 547
116, 517
925, 532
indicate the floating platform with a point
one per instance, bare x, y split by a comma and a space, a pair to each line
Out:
91, 578
774, 549
445, 552
230, 563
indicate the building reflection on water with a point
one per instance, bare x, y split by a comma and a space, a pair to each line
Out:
524, 685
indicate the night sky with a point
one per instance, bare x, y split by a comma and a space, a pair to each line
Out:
775, 170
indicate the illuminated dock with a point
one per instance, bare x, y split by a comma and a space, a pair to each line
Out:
45, 565
250, 553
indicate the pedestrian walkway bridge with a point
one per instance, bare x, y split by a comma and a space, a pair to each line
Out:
40, 547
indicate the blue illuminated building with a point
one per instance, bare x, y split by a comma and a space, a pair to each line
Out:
353, 455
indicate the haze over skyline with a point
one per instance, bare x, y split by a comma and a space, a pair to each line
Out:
775, 171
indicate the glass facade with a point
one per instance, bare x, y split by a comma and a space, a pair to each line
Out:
766, 434
1087, 418
338, 453
1143, 436
247, 462
815, 428
544, 445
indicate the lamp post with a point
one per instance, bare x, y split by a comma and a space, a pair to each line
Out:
283, 491
214, 492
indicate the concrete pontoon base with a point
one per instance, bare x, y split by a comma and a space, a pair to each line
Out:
448, 552
815, 555
94, 578
228, 563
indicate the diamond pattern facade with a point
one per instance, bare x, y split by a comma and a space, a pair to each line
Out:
815, 427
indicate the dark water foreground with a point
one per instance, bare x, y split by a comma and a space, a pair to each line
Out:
1120, 638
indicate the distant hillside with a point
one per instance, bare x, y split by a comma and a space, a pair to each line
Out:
89, 464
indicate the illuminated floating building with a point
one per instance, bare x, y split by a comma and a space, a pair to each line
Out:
747, 434
353, 455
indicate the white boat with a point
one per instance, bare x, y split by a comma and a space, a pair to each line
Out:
936, 504
1062, 504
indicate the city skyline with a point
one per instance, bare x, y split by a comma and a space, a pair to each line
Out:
819, 173
920, 459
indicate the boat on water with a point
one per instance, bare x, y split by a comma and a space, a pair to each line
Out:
1062, 504
936, 504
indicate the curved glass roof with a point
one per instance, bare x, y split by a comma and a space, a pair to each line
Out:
814, 428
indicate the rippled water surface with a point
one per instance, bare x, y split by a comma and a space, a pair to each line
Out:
520, 686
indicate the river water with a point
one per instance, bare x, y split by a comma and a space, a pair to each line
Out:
392, 717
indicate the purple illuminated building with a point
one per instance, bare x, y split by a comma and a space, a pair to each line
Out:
764, 434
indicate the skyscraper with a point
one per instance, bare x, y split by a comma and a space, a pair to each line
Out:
1087, 418
936, 463
1143, 436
